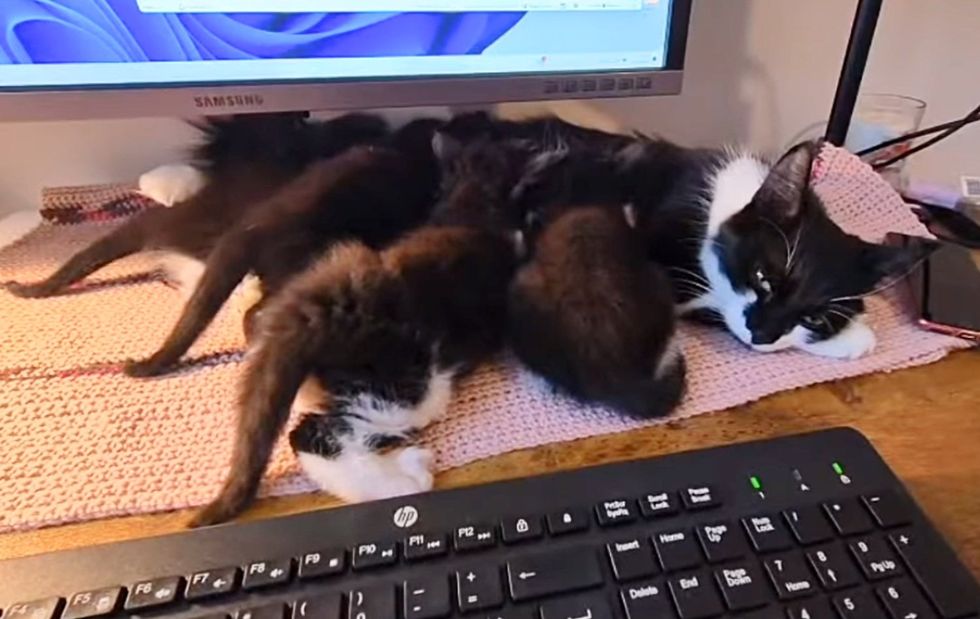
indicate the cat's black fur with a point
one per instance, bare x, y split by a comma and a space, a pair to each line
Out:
378, 323
370, 193
244, 159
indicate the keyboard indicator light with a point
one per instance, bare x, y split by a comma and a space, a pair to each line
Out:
756, 484
838, 468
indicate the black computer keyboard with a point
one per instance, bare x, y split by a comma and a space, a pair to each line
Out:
805, 527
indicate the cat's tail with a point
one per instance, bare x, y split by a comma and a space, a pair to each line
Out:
654, 396
127, 239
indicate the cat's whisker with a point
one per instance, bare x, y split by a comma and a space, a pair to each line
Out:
697, 276
789, 252
796, 246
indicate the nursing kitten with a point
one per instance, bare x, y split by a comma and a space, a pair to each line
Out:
749, 244
242, 160
383, 334
370, 193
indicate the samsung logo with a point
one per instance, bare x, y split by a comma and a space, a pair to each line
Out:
228, 101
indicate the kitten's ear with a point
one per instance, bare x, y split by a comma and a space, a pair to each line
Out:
781, 196
887, 261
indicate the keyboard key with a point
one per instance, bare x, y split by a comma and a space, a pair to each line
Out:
423, 546
858, 605
373, 602
721, 541
514, 613
768, 533
326, 606
809, 525
567, 521
152, 593
695, 597
631, 559
818, 608
426, 598
521, 529
848, 517
211, 583
474, 537
645, 600
888, 509
615, 512
590, 606
548, 573
938, 572
659, 505
790, 576
478, 588
902, 600
676, 550
327, 562
742, 587
700, 497
267, 611
375, 555
263, 574
37, 609
769, 612
875, 558
94, 603
834, 569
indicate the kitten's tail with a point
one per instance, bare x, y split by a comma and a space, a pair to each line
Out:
650, 397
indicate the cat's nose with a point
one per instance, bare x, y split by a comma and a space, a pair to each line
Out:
760, 338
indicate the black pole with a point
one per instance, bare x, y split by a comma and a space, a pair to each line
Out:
855, 59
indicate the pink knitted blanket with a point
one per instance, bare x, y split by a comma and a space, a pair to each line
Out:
82, 441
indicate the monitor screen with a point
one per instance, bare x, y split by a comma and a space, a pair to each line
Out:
76, 45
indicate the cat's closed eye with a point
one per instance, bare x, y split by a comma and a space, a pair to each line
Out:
813, 320
761, 282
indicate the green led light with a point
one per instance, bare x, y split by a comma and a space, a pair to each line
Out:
756, 484
838, 468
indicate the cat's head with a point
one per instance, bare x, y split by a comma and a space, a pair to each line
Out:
795, 277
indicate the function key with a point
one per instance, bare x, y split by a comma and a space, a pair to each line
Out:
371, 602
808, 524
676, 550
700, 497
375, 555
721, 541
590, 606
94, 603
267, 574
479, 588
615, 512
567, 521
768, 533
695, 596
474, 537
875, 559
645, 600
423, 546
37, 609
887, 508
790, 576
426, 598
902, 599
520, 529
276, 610
322, 563
631, 559
659, 505
834, 569
848, 517
742, 587
150, 593
211, 583
326, 606
858, 605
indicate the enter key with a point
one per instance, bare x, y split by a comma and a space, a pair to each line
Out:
549, 573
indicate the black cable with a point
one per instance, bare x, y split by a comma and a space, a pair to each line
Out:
915, 134
920, 147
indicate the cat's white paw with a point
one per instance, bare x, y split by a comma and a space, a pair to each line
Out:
172, 183
356, 478
854, 342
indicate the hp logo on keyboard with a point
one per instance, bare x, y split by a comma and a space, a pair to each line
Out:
406, 517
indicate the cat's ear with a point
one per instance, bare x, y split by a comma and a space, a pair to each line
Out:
781, 196
886, 262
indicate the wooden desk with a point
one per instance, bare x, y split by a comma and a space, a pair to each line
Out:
924, 421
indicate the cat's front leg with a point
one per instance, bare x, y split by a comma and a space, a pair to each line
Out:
853, 342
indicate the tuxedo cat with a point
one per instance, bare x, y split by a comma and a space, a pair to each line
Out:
383, 335
749, 244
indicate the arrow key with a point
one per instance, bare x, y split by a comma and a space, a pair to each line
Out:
153, 593
211, 583
813, 609
903, 601
833, 567
263, 574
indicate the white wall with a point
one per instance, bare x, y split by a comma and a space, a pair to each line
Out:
758, 72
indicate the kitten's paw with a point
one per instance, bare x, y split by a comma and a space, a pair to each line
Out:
170, 184
369, 477
854, 342
28, 291
146, 368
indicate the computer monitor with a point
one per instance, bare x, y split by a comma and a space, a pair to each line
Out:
63, 59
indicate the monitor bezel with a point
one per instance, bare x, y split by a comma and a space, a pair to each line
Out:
319, 95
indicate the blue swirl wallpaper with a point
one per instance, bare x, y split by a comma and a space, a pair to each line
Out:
110, 31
